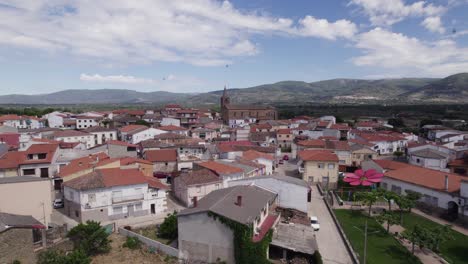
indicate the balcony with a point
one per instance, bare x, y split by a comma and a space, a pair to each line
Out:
127, 198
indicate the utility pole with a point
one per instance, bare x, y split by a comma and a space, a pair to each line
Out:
365, 244
365, 240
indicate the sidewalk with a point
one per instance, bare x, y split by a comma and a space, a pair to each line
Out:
426, 256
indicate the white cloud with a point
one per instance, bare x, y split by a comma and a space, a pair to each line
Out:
399, 53
433, 24
312, 26
199, 32
169, 82
123, 79
389, 12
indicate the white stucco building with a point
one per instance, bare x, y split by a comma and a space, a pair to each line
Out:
106, 195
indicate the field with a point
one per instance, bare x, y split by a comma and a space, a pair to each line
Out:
119, 254
454, 251
382, 248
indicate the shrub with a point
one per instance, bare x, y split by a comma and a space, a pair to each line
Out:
318, 258
57, 257
168, 228
91, 238
132, 243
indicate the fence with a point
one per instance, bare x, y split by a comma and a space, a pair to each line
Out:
151, 243
349, 248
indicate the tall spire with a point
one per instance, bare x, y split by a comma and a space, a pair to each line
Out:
225, 91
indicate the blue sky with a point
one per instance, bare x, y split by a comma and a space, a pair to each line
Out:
201, 45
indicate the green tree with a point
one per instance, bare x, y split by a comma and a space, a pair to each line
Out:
388, 217
168, 228
396, 122
440, 235
368, 198
414, 197
398, 154
404, 203
418, 235
142, 122
91, 238
388, 196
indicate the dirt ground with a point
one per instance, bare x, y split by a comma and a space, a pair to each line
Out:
119, 254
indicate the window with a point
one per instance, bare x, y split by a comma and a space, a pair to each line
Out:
117, 209
30, 156
27, 172
331, 166
396, 189
321, 165
383, 185
418, 160
166, 163
138, 206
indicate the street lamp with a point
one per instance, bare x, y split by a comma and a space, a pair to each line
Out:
365, 240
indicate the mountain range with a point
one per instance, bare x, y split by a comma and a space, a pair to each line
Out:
452, 89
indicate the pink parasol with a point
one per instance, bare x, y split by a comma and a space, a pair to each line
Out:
364, 178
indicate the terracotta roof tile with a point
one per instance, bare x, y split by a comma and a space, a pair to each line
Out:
312, 143
161, 155
317, 155
432, 179
220, 168
252, 155
105, 178
132, 128
83, 163
201, 176
172, 128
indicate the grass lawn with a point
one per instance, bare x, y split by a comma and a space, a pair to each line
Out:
455, 251
150, 232
382, 248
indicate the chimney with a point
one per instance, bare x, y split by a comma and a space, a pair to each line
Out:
195, 201
446, 183
239, 201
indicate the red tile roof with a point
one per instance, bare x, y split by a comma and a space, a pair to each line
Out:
84, 163
131, 160
390, 164
119, 143
252, 155
70, 133
237, 143
130, 128
341, 126
105, 178
317, 155
284, 131
220, 168
161, 155
432, 179
48, 149
11, 160
172, 128
312, 143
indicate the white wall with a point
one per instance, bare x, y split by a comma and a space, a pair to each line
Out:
289, 195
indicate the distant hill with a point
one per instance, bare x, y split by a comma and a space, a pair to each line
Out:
102, 96
452, 89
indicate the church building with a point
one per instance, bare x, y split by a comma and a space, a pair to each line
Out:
236, 112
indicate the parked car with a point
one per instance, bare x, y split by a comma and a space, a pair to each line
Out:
58, 203
286, 157
314, 223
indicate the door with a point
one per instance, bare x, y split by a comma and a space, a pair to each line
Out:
130, 210
153, 208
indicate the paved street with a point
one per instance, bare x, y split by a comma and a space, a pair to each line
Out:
330, 243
